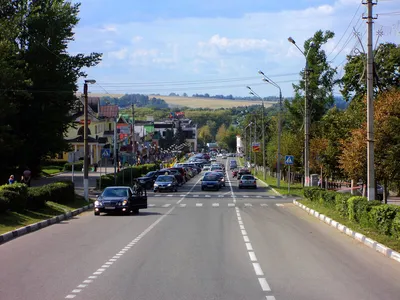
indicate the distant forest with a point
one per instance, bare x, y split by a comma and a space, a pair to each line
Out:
139, 100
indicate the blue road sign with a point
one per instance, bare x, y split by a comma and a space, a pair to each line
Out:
105, 152
289, 160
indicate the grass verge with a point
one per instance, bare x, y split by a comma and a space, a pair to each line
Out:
13, 220
388, 241
295, 189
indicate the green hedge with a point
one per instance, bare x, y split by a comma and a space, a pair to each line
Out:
18, 197
124, 177
77, 166
369, 214
51, 162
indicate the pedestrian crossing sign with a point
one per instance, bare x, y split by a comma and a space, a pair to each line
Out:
289, 160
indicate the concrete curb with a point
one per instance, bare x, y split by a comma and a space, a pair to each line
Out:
354, 234
8, 236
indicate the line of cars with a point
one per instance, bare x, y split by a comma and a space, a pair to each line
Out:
214, 177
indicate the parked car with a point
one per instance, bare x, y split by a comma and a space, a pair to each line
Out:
247, 181
174, 172
206, 168
232, 164
213, 159
210, 181
166, 183
148, 180
120, 199
224, 156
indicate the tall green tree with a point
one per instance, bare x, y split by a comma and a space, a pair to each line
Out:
386, 72
320, 83
41, 31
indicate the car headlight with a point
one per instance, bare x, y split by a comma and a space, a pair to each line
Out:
97, 203
223, 179
141, 181
169, 184
155, 185
125, 202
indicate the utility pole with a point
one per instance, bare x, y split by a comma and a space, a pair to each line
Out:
133, 132
263, 141
85, 140
255, 141
115, 151
306, 129
370, 104
278, 166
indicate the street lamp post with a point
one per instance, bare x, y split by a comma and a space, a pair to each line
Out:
263, 129
85, 140
278, 159
306, 117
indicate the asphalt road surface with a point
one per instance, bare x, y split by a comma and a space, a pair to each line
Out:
196, 245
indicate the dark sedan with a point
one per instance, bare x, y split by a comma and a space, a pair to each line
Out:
120, 199
166, 183
148, 180
210, 181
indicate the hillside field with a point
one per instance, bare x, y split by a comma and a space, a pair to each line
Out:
192, 102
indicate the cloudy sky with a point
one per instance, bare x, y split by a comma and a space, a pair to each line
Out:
216, 46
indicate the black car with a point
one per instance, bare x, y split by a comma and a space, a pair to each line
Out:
120, 199
166, 183
174, 172
148, 180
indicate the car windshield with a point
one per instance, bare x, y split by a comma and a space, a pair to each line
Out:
150, 174
210, 178
165, 178
115, 192
247, 177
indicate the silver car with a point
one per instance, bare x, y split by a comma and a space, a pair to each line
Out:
247, 181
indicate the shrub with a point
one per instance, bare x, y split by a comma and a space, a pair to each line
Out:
313, 193
359, 208
51, 162
15, 201
382, 218
341, 203
19, 188
4, 204
395, 230
61, 192
124, 177
328, 198
37, 197
77, 166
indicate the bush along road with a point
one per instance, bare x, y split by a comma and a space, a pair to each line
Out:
374, 224
25, 209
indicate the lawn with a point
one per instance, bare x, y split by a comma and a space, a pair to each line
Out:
388, 241
13, 220
51, 170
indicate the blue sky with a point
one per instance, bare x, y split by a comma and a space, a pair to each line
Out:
216, 46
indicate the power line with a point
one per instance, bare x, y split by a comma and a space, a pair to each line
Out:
348, 26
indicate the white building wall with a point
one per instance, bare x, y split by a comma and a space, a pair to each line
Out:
239, 144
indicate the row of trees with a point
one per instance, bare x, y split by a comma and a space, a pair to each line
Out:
338, 134
38, 80
138, 100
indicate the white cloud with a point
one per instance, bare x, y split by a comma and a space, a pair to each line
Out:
109, 28
208, 48
120, 54
137, 39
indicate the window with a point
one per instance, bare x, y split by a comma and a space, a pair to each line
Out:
109, 126
60, 155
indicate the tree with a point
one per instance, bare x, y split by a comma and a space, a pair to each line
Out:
320, 83
220, 137
386, 72
49, 77
205, 134
387, 136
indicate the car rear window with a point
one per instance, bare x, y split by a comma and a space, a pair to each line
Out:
210, 178
247, 177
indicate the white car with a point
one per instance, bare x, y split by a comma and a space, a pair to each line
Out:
213, 159
206, 168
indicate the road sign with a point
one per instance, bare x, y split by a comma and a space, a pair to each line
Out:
105, 152
73, 157
255, 147
289, 160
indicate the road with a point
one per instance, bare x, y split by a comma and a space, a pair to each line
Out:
195, 245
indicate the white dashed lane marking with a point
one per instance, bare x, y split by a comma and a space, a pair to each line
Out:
85, 283
199, 204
